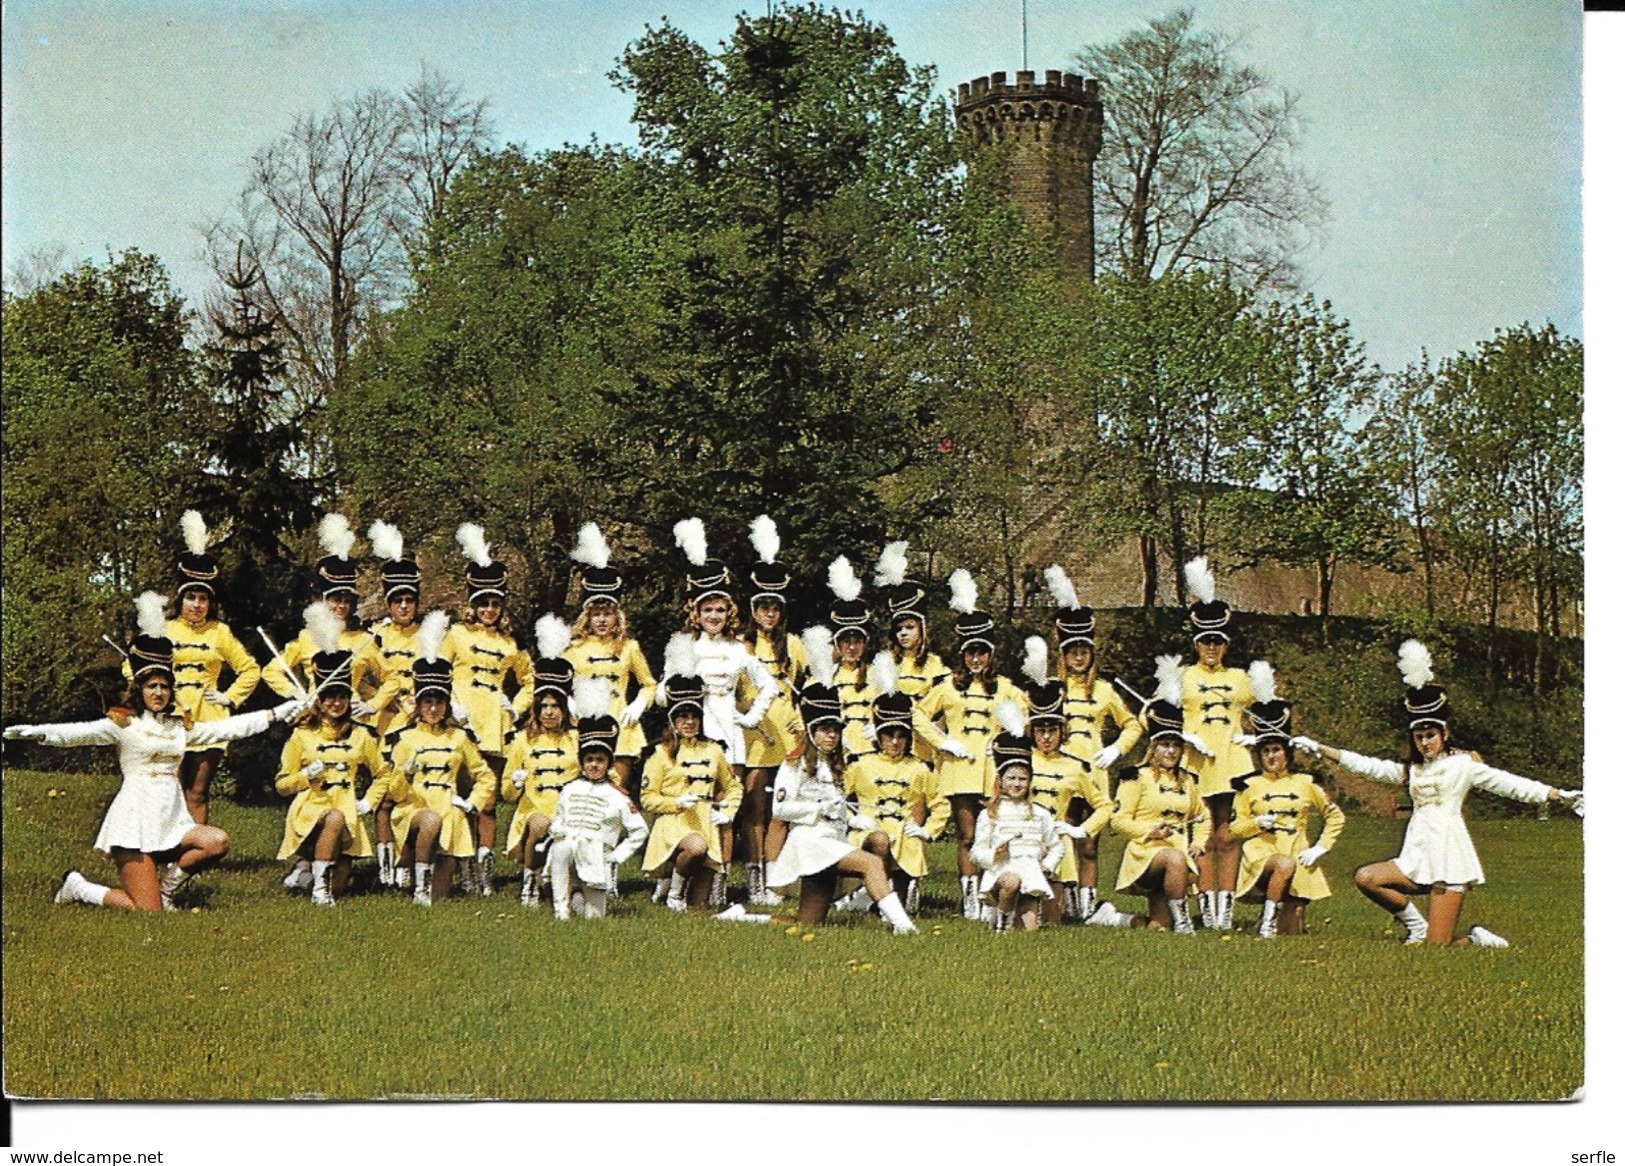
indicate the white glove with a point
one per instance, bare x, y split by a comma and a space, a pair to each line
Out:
507, 705
1311, 855
462, 804
832, 811
1574, 799
289, 709
1246, 739
1307, 744
870, 733
747, 720
361, 708
954, 748
363, 807
720, 818
1265, 821
622, 852
633, 712
215, 696
912, 829
860, 822
687, 801
1107, 757
517, 779
1068, 830
1197, 744
458, 712
311, 770
25, 733
412, 766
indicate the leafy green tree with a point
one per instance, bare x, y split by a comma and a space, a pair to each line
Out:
100, 436
1396, 444
1315, 502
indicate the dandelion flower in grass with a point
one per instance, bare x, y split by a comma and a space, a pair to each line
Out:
808, 937
792, 930
866, 967
1163, 1064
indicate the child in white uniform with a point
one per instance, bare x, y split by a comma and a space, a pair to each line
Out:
596, 827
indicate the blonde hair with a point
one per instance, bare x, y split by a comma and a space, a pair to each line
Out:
582, 628
730, 629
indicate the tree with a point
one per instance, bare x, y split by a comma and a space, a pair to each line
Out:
1315, 501
1395, 441
98, 450
1197, 158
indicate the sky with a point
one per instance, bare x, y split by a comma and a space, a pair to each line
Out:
1445, 133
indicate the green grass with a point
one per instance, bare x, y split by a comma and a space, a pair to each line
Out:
258, 995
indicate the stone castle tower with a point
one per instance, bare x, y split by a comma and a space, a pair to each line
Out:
1050, 133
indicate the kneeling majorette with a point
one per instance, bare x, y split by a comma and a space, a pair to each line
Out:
1159, 810
595, 827
322, 763
810, 796
148, 831
1437, 858
1272, 812
1016, 844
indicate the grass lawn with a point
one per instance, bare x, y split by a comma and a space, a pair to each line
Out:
259, 995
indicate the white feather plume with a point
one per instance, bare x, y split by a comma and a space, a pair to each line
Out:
594, 696
386, 540
471, 538
843, 580
431, 632
883, 673
1036, 662
591, 547
892, 567
962, 592
1060, 587
680, 657
335, 535
1415, 663
195, 532
1261, 678
149, 614
552, 636
1199, 580
690, 533
324, 627
1010, 717
1170, 681
764, 536
820, 644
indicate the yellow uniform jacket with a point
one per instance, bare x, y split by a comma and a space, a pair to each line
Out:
895, 792
1214, 700
915, 678
598, 658
700, 768
1087, 707
482, 661
857, 705
201, 654
337, 787
968, 718
550, 763
1148, 798
439, 758
397, 649
1292, 797
1059, 781
367, 673
781, 730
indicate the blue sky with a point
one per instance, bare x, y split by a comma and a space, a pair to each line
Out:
1446, 133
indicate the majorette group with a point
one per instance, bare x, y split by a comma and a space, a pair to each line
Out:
820, 761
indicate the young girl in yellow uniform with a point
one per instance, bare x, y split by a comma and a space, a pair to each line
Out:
432, 756
541, 759
849, 615
908, 642
1272, 817
602, 647
596, 827
1159, 810
1061, 783
782, 654
688, 787
1016, 844
965, 707
486, 661
1213, 697
397, 638
204, 648
897, 790
322, 764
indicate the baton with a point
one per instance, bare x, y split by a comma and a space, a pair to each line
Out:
114, 646
277, 656
1121, 683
